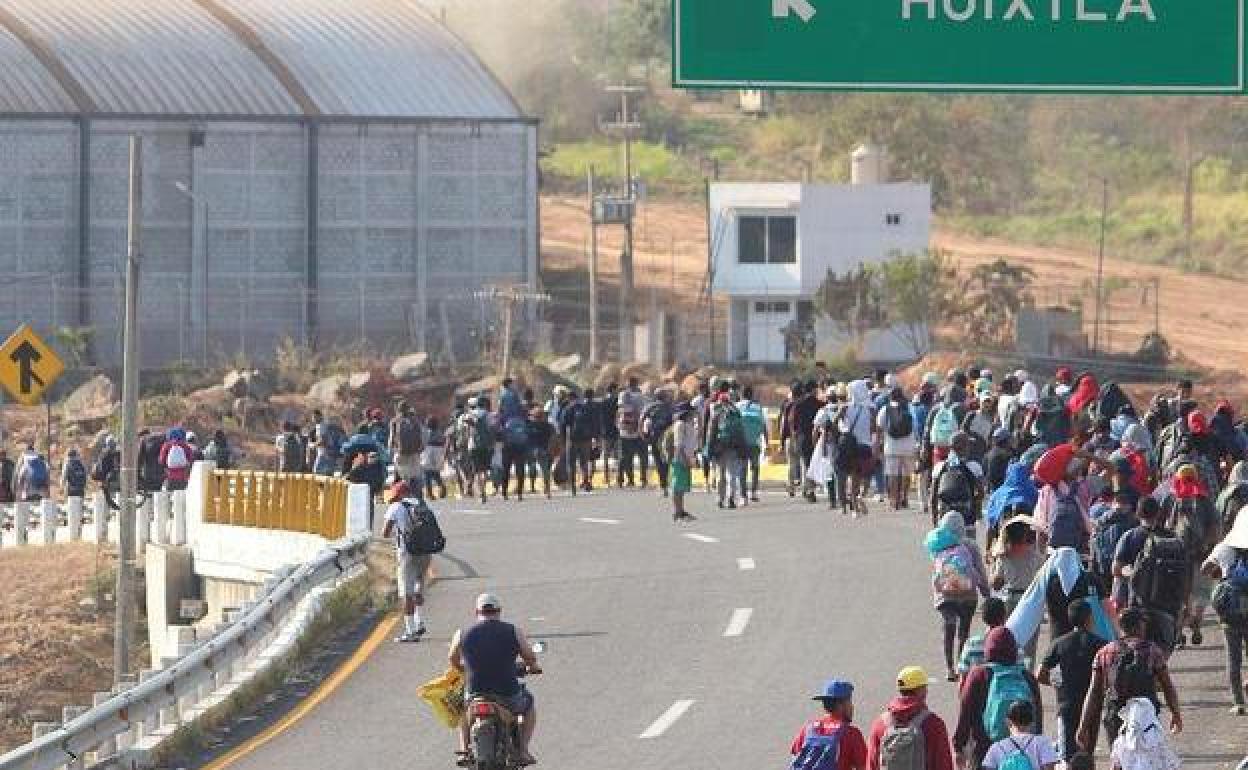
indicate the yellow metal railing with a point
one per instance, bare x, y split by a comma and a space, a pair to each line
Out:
295, 502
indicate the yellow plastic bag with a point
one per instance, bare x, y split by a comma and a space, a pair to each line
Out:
445, 695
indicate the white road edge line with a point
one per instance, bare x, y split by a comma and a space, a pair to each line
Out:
701, 538
669, 718
745, 563
740, 619
589, 520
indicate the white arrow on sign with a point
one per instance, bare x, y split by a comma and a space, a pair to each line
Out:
782, 9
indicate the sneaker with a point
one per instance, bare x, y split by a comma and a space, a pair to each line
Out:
1197, 637
410, 636
952, 676
755, 498
732, 505
1238, 710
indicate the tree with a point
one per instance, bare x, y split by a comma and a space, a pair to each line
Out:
917, 292
992, 296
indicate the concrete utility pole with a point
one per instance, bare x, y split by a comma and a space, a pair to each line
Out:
626, 127
129, 418
593, 274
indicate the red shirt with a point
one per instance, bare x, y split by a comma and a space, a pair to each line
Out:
853, 747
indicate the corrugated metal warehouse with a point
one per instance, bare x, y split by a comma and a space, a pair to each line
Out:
323, 170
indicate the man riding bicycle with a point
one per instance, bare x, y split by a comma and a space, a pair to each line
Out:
487, 654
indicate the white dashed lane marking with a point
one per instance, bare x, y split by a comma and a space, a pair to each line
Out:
589, 520
740, 619
745, 564
701, 538
669, 718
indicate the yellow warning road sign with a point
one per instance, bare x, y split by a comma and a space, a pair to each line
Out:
28, 367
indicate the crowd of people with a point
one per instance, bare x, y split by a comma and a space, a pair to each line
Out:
1049, 501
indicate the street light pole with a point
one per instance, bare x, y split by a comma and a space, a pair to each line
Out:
202, 206
129, 418
1100, 266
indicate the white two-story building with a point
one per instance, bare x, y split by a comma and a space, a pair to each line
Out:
773, 245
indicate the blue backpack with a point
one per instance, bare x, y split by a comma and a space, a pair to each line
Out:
516, 433
37, 467
753, 421
820, 751
1009, 685
1109, 531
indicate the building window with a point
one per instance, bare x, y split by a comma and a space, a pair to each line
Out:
776, 308
767, 240
893, 220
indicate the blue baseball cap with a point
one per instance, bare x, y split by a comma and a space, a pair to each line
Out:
835, 688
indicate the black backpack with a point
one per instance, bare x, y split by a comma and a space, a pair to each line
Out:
582, 422
956, 488
900, 422
655, 421
1160, 573
409, 437
76, 476
292, 453
1197, 526
423, 537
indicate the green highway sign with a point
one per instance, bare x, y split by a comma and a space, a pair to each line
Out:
1040, 46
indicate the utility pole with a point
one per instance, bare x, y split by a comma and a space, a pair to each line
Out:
626, 127
1100, 265
593, 274
129, 418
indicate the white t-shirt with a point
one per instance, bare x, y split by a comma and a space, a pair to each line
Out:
858, 418
399, 515
1038, 748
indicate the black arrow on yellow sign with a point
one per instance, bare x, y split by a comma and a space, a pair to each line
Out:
26, 356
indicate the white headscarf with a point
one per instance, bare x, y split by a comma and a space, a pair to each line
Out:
1142, 743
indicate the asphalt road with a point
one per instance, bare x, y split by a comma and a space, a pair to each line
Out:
726, 634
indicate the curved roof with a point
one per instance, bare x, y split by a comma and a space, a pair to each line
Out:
240, 58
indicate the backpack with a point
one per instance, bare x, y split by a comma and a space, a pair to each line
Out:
423, 536
655, 422
333, 437
1133, 675
516, 433
1159, 573
76, 475
582, 422
292, 453
955, 488
219, 454
1008, 686
628, 416
1052, 425
37, 472
900, 422
1018, 759
951, 572
176, 458
944, 426
1110, 401
1066, 523
408, 434
848, 450
820, 751
1109, 531
1230, 596
904, 747
729, 430
754, 423
480, 432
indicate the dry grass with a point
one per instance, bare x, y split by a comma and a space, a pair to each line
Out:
54, 651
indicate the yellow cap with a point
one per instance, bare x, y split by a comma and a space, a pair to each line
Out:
912, 678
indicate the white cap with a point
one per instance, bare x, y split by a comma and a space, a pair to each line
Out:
488, 602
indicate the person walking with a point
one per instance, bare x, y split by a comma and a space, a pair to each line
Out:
655, 422
481, 439
788, 441
908, 730
176, 457
609, 434
219, 452
993, 615
1228, 566
407, 440
32, 478
986, 696
74, 474
754, 422
404, 514
1154, 563
802, 425
1131, 667
1189, 511
896, 424
634, 454
1067, 667
831, 741
1015, 563
541, 437
8, 492
433, 459
725, 439
581, 431
957, 484
958, 580
1036, 751
681, 443
290, 450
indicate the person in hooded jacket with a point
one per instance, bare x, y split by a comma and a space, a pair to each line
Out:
176, 457
910, 707
8, 493
959, 579
1189, 511
1222, 425
1233, 497
970, 739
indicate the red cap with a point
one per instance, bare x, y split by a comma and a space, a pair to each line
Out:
1197, 423
1064, 374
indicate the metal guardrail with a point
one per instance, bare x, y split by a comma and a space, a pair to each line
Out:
295, 502
173, 696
